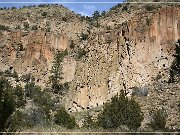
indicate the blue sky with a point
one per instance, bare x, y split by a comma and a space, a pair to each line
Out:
81, 8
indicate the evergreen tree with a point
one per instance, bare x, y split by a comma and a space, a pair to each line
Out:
20, 97
56, 71
7, 103
121, 111
175, 67
63, 118
103, 13
15, 74
159, 120
96, 15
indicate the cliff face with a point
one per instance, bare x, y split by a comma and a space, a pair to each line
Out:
135, 54
31, 52
29, 44
131, 56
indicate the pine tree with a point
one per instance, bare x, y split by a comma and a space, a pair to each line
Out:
96, 15
175, 67
7, 102
103, 13
56, 71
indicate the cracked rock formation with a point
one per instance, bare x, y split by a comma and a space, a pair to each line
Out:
132, 50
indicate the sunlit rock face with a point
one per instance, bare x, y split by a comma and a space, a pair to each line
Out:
132, 50
31, 52
131, 56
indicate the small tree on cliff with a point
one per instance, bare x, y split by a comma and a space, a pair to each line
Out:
96, 16
175, 67
56, 71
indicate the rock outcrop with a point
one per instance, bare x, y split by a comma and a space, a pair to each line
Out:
132, 55
132, 50
136, 54
31, 39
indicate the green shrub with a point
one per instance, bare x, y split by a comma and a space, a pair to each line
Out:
20, 98
43, 100
83, 36
103, 13
26, 25
20, 47
149, 7
108, 40
34, 27
34, 117
82, 18
72, 44
1, 73
62, 118
13, 8
18, 27
158, 120
148, 21
24, 7
26, 78
89, 122
44, 14
121, 111
7, 103
48, 23
43, 5
29, 89
16, 121
7, 73
48, 29
64, 19
81, 53
96, 24
30, 118
3, 27
125, 8
15, 74
108, 27
64, 87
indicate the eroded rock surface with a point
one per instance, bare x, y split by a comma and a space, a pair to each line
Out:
134, 54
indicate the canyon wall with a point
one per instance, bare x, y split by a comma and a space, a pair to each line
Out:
31, 52
132, 55
131, 50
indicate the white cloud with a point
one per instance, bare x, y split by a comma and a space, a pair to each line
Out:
84, 13
89, 7
87, 10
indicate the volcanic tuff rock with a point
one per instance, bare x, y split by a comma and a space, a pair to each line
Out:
30, 50
132, 55
133, 49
